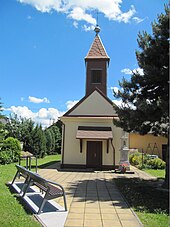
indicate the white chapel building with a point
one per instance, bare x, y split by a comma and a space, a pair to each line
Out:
89, 137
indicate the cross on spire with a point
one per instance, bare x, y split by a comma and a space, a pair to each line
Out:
97, 28
97, 14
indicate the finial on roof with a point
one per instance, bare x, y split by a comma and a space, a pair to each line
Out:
97, 29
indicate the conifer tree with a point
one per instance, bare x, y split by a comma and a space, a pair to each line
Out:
145, 98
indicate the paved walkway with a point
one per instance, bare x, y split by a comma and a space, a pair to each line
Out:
93, 198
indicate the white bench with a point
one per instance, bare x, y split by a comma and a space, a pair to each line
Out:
51, 189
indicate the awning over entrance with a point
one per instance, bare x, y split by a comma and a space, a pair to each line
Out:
89, 132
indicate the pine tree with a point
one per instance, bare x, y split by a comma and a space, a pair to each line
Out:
39, 142
145, 98
48, 141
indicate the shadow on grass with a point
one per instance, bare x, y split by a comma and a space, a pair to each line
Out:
144, 195
19, 199
48, 165
161, 178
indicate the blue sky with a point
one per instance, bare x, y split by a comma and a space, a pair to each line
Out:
43, 44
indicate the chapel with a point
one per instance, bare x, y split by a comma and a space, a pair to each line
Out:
89, 137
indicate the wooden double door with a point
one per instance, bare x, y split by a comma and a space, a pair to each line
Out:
94, 155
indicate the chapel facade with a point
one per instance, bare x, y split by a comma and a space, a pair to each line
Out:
89, 137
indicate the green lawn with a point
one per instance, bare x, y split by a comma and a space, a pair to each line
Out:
150, 204
159, 173
11, 210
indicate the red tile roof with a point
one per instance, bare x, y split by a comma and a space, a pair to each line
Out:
97, 50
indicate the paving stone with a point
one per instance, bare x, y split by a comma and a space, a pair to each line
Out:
93, 223
127, 216
76, 210
130, 223
112, 223
73, 223
111, 216
107, 210
94, 216
75, 216
92, 211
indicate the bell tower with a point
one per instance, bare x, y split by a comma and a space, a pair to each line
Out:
97, 62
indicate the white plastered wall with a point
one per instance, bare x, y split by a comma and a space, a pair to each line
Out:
71, 146
95, 104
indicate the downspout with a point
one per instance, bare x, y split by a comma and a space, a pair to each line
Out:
113, 153
63, 142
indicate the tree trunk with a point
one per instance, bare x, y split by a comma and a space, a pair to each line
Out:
166, 181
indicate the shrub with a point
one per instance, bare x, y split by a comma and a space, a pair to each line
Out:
134, 158
156, 163
137, 160
152, 163
10, 150
5, 157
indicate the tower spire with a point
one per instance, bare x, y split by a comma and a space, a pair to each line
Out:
96, 65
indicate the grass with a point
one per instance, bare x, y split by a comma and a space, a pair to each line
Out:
153, 220
11, 209
159, 173
150, 204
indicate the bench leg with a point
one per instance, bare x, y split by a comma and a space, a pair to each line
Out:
25, 182
17, 173
26, 186
42, 205
65, 203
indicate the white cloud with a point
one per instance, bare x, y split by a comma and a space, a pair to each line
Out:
38, 100
117, 102
138, 70
44, 116
70, 104
43, 113
83, 10
126, 71
138, 20
43, 5
75, 24
54, 113
130, 72
115, 89
22, 111
125, 17
88, 28
120, 103
79, 14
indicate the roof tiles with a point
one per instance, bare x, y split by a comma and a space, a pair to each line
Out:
97, 50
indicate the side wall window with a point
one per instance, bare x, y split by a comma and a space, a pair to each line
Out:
96, 76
